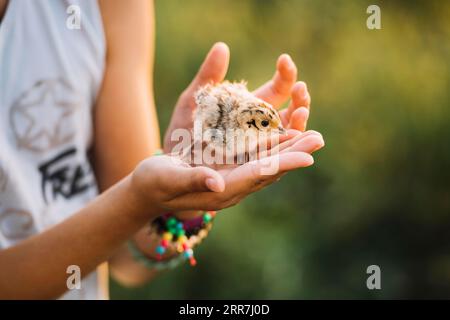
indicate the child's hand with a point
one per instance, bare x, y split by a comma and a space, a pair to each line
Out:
171, 185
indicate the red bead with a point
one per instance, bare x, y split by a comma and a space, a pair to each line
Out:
212, 213
192, 261
185, 246
164, 243
158, 257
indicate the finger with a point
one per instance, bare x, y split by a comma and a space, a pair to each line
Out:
299, 98
294, 160
290, 133
285, 162
214, 67
284, 146
299, 119
263, 169
242, 181
198, 179
269, 140
276, 138
309, 144
277, 90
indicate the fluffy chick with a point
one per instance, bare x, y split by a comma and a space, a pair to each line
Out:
228, 106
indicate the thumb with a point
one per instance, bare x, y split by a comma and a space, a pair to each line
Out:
198, 179
214, 67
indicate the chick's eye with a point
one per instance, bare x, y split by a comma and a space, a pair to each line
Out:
265, 123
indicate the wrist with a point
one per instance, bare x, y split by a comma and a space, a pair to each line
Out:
188, 214
146, 240
140, 206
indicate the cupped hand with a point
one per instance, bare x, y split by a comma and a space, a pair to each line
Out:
276, 91
170, 184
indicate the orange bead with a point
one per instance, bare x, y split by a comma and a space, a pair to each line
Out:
212, 213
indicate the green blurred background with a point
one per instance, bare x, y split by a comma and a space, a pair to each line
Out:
379, 192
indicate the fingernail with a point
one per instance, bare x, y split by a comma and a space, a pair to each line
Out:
221, 44
304, 85
304, 109
212, 185
287, 56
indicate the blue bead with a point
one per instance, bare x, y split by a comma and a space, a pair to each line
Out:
188, 253
180, 225
160, 249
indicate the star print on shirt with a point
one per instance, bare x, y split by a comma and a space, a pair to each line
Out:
41, 117
16, 224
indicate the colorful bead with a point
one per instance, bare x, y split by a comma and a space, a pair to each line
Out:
192, 261
172, 230
188, 253
164, 243
171, 222
167, 236
180, 225
160, 249
212, 213
182, 239
207, 218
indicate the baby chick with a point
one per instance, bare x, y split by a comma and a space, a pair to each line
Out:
228, 110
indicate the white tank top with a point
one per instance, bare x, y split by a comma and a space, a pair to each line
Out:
49, 79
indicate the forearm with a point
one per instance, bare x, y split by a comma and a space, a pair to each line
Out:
131, 108
36, 267
125, 269
126, 126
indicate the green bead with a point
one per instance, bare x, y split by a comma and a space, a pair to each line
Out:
180, 232
171, 222
207, 218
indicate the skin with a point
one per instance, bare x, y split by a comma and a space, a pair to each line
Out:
137, 188
3, 4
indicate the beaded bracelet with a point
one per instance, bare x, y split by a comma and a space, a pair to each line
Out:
182, 235
154, 264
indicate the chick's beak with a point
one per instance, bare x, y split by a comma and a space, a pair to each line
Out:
282, 130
